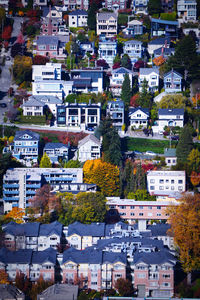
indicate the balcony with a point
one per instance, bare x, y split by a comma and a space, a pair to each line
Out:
7, 185
34, 186
11, 192
11, 198
30, 193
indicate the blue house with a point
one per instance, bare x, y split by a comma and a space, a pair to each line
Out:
164, 27
107, 50
56, 151
134, 49
26, 146
173, 82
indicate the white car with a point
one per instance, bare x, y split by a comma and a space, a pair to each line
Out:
150, 153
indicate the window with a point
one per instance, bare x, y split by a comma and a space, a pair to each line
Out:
132, 214
161, 181
152, 187
149, 207
132, 207
161, 188
166, 275
122, 206
140, 207
180, 181
141, 214
141, 275
158, 207
152, 180
172, 181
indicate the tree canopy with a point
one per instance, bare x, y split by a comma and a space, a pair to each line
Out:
126, 90
173, 101
45, 161
154, 7
185, 144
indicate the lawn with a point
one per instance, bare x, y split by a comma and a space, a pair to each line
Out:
142, 145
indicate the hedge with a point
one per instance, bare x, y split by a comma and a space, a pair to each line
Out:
33, 119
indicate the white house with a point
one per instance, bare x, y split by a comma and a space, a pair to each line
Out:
170, 156
117, 80
78, 18
151, 75
89, 148
187, 10
138, 117
158, 43
165, 181
106, 24
50, 71
169, 117
56, 88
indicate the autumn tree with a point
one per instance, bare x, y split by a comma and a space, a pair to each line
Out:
3, 277
40, 60
185, 144
22, 69
173, 101
194, 160
45, 161
16, 214
104, 175
40, 202
124, 287
6, 34
39, 287
195, 178
185, 227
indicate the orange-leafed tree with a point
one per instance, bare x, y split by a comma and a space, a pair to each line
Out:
185, 227
3, 277
195, 178
104, 175
6, 34
16, 214
158, 61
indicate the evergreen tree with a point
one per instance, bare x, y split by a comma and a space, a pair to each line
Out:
126, 62
126, 91
113, 153
145, 98
45, 161
185, 144
92, 17
154, 7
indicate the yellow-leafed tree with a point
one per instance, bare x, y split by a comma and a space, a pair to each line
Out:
16, 214
104, 175
3, 277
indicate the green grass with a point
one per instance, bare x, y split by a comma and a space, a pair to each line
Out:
142, 145
51, 136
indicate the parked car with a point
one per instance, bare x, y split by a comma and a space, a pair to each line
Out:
175, 138
3, 105
150, 153
90, 129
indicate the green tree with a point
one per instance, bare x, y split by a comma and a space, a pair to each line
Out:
194, 160
126, 91
141, 195
185, 144
113, 152
126, 62
2, 16
154, 7
45, 161
92, 17
174, 101
145, 98
72, 164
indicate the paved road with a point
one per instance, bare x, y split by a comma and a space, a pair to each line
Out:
6, 78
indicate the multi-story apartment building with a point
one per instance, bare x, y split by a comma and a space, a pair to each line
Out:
131, 210
50, 71
187, 10
134, 49
56, 151
96, 269
20, 185
114, 5
140, 6
78, 18
172, 82
55, 88
115, 110
76, 4
166, 181
80, 115
88, 80
89, 148
117, 80
107, 50
106, 24
151, 75
26, 146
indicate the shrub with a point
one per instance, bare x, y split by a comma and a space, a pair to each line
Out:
33, 119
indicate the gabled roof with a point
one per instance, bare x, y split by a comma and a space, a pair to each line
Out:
47, 40
48, 255
19, 135
171, 111
160, 41
47, 99
22, 256
135, 22
93, 229
78, 13
166, 51
60, 292
106, 16
158, 258
112, 257
147, 71
122, 70
132, 110
32, 101
26, 229
133, 42
52, 228
170, 152
90, 256
8, 291
174, 72
88, 138
159, 229
55, 146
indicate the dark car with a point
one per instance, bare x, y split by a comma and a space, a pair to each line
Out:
90, 128
175, 138
3, 105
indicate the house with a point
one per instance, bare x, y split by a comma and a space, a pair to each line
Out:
117, 79
173, 82
138, 117
114, 5
160, 232
106, 24
56, 88
163, 51
76, 4
11, 292
56, 151
59, 291
33, 107
170, 156
21, 184
88, 80
26, 146
78, 18
158, 43
187, 10
165, 181
80, 115
130, 210
134, 49
50, 235
4, 4
52, 13
107, 50
169, 117
40, 3
154, 274
140, 6
81, 236
87, 47
96, 269
134, 28
50, 71
151, 75
164, 27
50, 46
115, 110
89, 148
